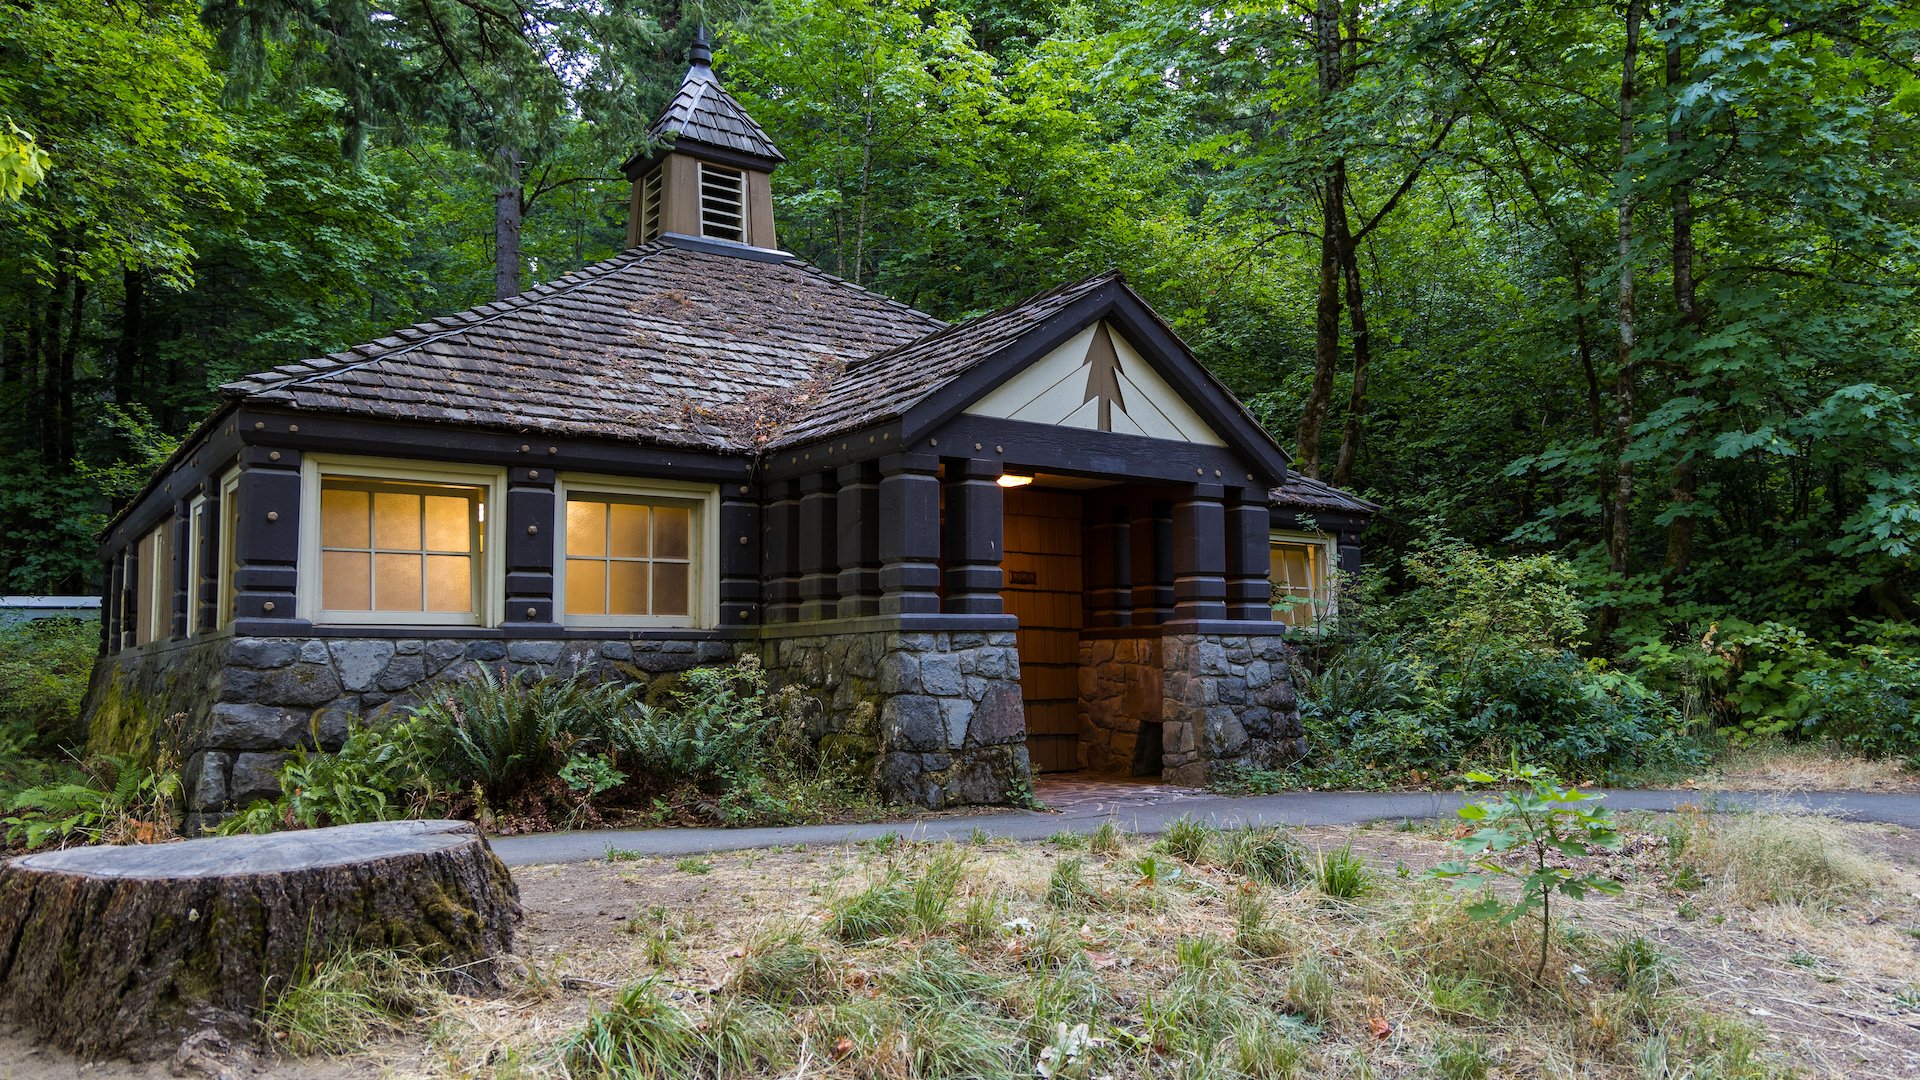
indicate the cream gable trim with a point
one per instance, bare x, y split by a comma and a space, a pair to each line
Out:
1100, 382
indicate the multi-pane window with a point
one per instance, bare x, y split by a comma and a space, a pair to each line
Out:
227, 595
650, 207
1300, 584
630, 558
153, 586
198, 528
723, 203
400, 546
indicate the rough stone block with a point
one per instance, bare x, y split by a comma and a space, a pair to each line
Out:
255, 776
401, 672
360, 661
409, 647
205, 780
1000, 718
1225, 736
915, 722
442, 653
534, 652
314, 651
617, 650
940, 674
248, 726
262, 652
486, 651
956, 714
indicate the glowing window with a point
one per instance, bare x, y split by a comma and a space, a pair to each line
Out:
631, 557
1301, 596
397, 546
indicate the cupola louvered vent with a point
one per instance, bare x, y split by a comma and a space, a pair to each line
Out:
723, 203
649, 208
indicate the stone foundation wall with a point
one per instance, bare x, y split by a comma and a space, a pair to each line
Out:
936, 714
233, 708
1121, 698
1228, 699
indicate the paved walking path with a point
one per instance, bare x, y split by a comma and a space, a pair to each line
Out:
1082, 807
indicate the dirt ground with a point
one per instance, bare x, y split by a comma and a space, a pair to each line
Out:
1837, 990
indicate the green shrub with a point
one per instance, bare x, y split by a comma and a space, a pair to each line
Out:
44, 667
501, 733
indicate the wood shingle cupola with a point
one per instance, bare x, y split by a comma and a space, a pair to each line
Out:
709, 172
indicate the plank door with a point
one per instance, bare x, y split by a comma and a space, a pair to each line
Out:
1042, 586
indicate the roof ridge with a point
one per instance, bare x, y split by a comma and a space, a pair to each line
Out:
949, 328
467, 320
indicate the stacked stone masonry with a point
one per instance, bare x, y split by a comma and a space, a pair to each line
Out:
234, 708
937, 714
1227, 700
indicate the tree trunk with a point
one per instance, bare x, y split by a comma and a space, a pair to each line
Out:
1624, 383
508, 202
1333, 216
1362, 358
1686, 471
129, 950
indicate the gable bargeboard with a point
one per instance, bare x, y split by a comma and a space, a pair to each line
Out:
1097, 380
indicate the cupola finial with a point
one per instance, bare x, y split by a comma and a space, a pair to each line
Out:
700, 53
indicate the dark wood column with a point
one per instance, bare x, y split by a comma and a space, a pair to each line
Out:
1199, 554
1249, 567
180, 571
974, 540
1152, 543
780, 551
115, 603
1109, 566
531, 524
267, 541
739, 555
819, 544
909, 534
206, 587
858, 543
133, 606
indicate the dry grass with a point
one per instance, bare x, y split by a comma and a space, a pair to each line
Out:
1770, 857
1214, 955
1795, 767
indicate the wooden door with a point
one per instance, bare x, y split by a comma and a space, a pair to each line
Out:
1043, 587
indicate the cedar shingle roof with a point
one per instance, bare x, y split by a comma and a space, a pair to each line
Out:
703, 112
1306, 493
661, 344
885, 386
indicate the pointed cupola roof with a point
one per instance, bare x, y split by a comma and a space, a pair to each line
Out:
703, 117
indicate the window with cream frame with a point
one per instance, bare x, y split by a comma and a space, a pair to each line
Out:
636, 553
1301, 564
225, 592
388, 542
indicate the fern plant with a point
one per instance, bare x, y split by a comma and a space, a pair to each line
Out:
118, 799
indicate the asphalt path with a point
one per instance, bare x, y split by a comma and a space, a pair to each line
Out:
1291, 808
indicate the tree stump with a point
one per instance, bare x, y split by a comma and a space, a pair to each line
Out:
128, 950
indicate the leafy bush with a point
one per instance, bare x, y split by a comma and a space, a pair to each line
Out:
44, 666
1543, 821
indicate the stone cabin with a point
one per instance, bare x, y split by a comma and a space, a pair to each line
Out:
1044, 539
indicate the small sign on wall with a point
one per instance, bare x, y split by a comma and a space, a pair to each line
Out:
1022, 577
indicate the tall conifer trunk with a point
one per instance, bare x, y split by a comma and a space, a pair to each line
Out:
1333, 216
1686, 471
1625, 388
508, 202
